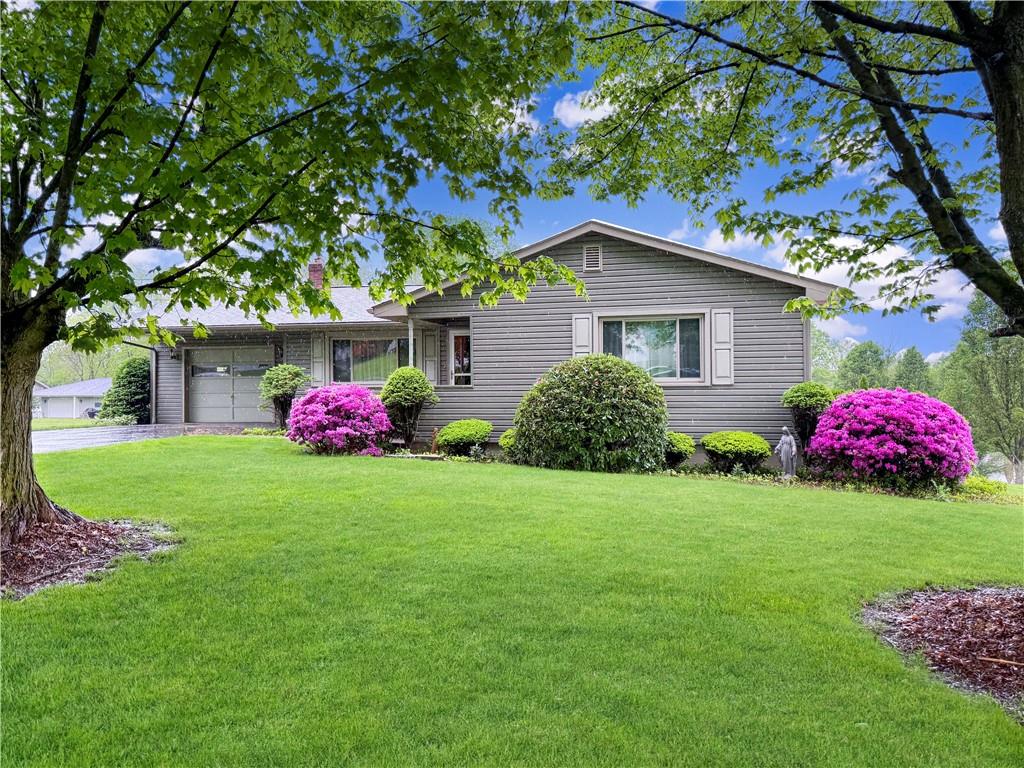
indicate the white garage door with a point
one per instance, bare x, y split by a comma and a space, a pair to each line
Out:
224, 384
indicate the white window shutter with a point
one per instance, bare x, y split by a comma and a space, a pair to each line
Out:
582, 335
428, 356
721, 346
317, 360
592, 258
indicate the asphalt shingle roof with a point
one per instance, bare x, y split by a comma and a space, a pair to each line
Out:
87, 388
354, 304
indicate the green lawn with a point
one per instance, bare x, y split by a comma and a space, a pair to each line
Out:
359, 611
40, 424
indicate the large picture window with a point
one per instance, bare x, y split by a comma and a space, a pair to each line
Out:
667, 348
367, 361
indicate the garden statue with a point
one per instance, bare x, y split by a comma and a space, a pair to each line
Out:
786, 449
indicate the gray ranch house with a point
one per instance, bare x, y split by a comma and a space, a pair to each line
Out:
710, 328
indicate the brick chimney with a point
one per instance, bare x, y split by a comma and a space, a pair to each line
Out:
316, 273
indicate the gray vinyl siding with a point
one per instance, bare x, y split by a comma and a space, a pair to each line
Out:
169, 388
513, 344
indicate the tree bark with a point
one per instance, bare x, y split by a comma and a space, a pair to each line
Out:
23, 503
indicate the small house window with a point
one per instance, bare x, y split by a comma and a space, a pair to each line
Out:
592, 258
460, 358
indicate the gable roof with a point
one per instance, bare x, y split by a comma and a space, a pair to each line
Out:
87, 388
815, 289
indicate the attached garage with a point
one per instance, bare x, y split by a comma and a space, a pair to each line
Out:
224, 383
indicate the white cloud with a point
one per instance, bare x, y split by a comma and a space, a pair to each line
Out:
683, 230
148, 259
935, 357
575, 109
951, 311
841, 328
741, 241
648, 4
997, 233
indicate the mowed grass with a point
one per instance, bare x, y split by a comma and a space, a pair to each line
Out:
40, 424
359, 611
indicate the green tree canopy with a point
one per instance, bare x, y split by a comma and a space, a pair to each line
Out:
865, 366
912, 372
243, 139
984, 379
692, 96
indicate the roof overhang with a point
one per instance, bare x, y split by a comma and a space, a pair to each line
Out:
816, 290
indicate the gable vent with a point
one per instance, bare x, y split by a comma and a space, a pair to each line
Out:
592, 258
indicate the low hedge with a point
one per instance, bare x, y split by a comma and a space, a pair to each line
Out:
460, 437
507, 441
727, 450
678, 448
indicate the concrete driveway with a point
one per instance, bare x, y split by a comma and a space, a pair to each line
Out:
53, 440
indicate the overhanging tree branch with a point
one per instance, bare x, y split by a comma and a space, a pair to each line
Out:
897, 27
774, 61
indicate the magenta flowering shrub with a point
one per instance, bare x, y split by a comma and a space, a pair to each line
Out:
893, 437
342, 418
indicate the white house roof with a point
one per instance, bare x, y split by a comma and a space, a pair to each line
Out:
816, 289
87, 388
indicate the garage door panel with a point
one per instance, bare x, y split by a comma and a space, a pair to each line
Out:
211, 386
210, 356
224, 384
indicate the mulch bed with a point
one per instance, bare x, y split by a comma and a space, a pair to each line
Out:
973, 638
68, 553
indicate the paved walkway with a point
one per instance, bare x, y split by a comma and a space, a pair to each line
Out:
52, 440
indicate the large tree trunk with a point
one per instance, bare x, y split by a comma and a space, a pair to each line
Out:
22, 501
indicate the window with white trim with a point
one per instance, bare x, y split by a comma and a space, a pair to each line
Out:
367, 361
665, 347
460, 358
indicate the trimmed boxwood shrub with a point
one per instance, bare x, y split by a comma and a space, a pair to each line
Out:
406, 393
460, 437
128, 396
278, 387
341, 418
894, 438
595, 412
727, 450
678, 448
807, 401
507, 442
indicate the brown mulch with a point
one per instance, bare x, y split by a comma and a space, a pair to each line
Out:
67, 553
973, 638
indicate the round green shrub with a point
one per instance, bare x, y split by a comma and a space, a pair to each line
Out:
678, 448
278, 387
460, 437
406, 393
595, 412
507, 441
807, 401
128, 396
726, 450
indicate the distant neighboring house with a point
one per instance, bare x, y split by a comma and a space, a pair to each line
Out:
711, 330
70, 401
37, 389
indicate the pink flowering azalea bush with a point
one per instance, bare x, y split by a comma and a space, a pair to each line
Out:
342, 418
893, 437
